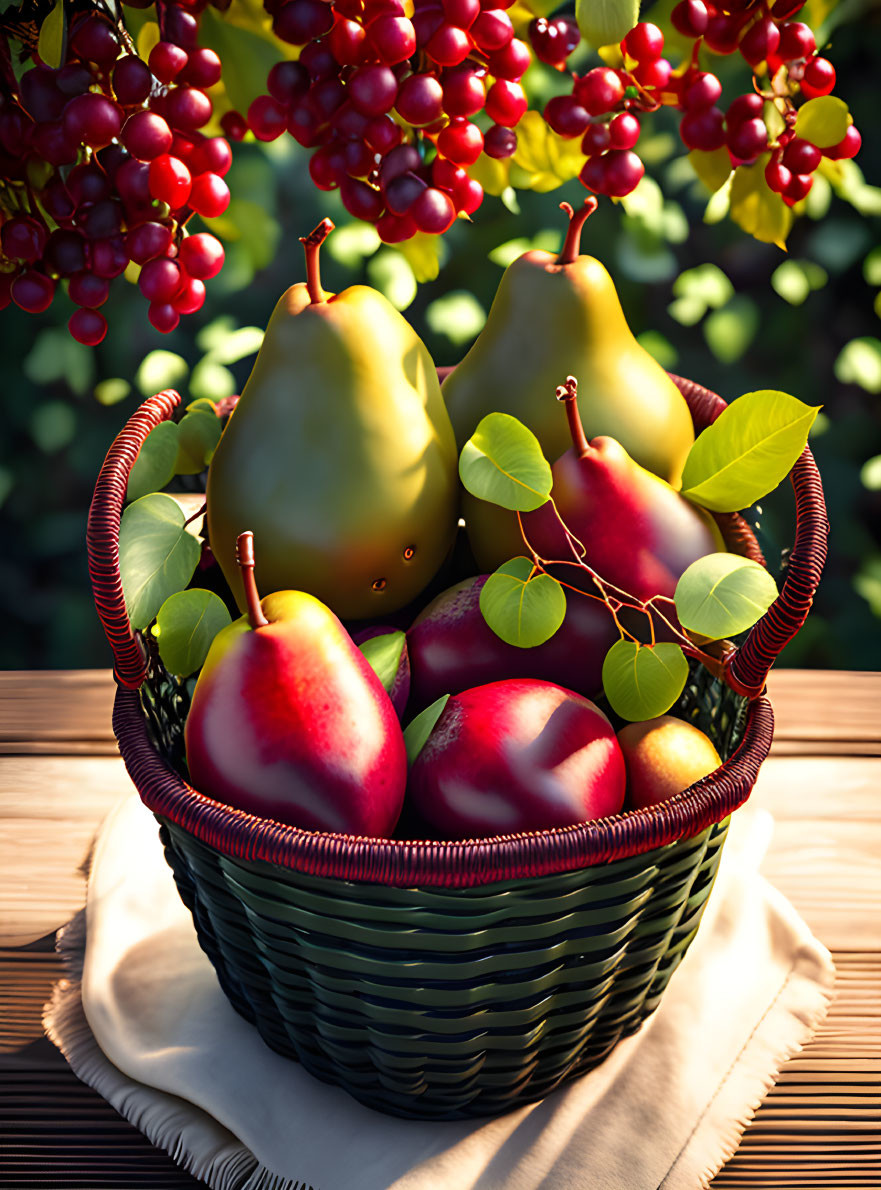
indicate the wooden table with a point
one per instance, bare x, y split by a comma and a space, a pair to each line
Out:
820, 1126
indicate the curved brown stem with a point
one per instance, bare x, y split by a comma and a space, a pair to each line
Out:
571, 249
312, 246
568, 394
245, 559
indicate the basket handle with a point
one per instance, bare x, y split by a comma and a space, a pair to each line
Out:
102, 538
746, 672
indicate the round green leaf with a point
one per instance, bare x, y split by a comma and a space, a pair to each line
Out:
502, 462
642, 681
416, 733
823, 121
747, 451
384, 654
157, 556
186, 624
523, 611
198, 435
160, 369
720, 595
154, 466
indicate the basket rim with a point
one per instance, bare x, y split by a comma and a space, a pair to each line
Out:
437, 863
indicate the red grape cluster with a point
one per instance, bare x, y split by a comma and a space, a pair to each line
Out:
604, 105
388, 103
105, 164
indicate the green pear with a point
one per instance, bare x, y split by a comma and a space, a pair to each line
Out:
559, 315
340, 455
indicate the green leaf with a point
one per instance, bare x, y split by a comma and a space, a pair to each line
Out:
706, 284
160, 370
747, 451
458, 315
502, 462
50, 44
755, 208
384, 654
55, 357
720, 595
112, 391
870, 474
392, 275
795, 279
523, 609
859, 362
351, 244
643, 681
423, 253
606, 22
154, 466
198, 435
543, 160
247, 57
872, 267
659, 347
236, 344
186, 624
157, 556
53, 426
416, 733
211, 381
730, 331
823, 121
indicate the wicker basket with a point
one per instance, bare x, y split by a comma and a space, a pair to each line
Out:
448, 980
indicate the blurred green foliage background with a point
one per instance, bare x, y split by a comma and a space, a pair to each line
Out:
710, 302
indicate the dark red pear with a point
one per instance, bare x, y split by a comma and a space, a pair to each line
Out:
637, 531
452, 647
289, 721
518, 755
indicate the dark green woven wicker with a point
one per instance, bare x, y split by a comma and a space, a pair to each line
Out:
432, 979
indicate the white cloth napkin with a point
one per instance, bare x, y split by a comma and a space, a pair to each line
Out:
142, 1019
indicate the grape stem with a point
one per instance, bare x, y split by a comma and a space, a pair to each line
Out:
245, 559
312, 247
571, 249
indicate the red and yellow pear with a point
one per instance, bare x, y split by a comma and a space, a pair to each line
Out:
288, 720
663, 757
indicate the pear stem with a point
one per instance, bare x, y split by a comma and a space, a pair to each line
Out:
568, 393
571, 249
245, 559
312, 246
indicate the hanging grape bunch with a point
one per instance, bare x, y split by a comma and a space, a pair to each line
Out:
106, 159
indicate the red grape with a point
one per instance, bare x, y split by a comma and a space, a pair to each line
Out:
87, 326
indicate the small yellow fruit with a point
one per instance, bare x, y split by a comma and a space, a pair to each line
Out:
663, 757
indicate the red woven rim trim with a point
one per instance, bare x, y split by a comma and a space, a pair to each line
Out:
407, 863
102, 537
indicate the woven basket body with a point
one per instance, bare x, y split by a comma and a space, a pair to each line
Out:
448, 980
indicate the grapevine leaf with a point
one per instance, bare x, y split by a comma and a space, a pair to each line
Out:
747, 451
50, 44
543, 160
823, 121
524, 610
755, 208
642, 681
160, 369
502, 462
157, 556
859, 362
720, 595
392, 274
491, 173
458, 315
247, 57
186, 624
154, 466
606, 22
423, 254
198, 435
416, 733
713, 168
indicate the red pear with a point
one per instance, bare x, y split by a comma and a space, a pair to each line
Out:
289, 721
637, 531
518, 755
452, 647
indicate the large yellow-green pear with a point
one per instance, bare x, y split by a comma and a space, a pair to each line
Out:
339, 456
554, 316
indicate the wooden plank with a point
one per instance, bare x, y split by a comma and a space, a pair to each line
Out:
60, 708
821, 707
